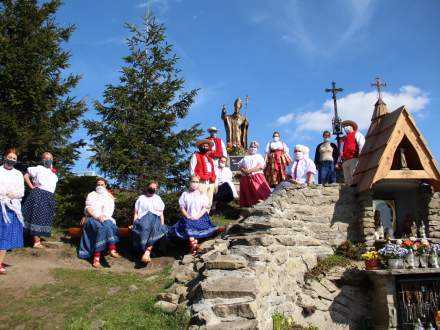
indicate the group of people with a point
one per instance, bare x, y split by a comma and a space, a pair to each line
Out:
211, 182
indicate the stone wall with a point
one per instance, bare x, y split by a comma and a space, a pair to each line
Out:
258, 267
434, 216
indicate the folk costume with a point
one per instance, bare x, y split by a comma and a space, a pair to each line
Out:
198, 224
148, 228
99, 235
11, 218
218, 149
226, 191
253, 185
353, 143
326, 158
303, 166
39, 206
277, 160
202, 166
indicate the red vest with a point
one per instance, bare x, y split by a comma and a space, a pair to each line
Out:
351, 148
218, 152
201, 169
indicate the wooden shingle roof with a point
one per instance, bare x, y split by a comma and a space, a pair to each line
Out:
386, 133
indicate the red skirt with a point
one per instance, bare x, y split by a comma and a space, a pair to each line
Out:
253, 189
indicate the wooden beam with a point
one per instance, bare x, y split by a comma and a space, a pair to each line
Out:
408, 174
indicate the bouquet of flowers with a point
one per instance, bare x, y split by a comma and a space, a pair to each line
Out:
393, 251
421, 247
235, 150
435, 248
408, 244
370, 255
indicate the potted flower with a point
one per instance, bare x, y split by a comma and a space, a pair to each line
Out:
408, 244
394, 255
372, 260
422, 252
434, 251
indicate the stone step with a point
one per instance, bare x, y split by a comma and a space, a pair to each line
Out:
245, 307
228, 287
234, 325
230, 261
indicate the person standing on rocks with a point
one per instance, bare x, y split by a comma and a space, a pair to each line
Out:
11, 219
218, 149
303, 169
353, 143
326, 158
277, 159
253, 185
195, 222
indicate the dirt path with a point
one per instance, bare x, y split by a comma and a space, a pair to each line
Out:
29, 267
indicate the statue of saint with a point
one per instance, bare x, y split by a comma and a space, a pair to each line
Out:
236, 126
403, 162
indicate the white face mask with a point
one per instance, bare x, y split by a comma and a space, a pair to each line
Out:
221, 165
194, 186
299, 155
348, 129
276, 138
326, 139
100, 190
253, 150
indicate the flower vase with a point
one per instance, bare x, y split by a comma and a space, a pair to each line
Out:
410, 260
423, 259
395, 263
373, 264
433, 260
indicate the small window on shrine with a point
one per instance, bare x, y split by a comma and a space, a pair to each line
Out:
385, 218
405, 157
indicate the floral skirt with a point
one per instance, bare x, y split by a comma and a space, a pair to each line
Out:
38, 212
96, 237
185, 228
253, 188
11, 234
147, 231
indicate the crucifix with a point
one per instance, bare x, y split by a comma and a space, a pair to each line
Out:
336, 122
378, 84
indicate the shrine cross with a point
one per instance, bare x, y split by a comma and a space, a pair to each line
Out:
378, 84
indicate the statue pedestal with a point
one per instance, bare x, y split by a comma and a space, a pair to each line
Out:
233, 163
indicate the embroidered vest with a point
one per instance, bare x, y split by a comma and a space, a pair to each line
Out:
201, 169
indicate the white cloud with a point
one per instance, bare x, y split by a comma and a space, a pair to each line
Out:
357, 106
160, 7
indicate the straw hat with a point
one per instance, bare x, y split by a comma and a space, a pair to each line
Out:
212, 129
350, 123
204, 141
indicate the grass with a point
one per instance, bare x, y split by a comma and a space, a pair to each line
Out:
226, 214
82, 299
324, 265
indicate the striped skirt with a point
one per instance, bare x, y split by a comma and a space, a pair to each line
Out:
11, 234
147, 231
38, 212
96, 237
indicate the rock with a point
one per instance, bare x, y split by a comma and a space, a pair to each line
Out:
133, 288
184, 273
246, 309
114, 290
168, 297
321, 290
228, 287
166, 306
97, 325
328, 285
236, 325
187, 259
227, 262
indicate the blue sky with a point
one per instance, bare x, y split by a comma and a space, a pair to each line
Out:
281, 53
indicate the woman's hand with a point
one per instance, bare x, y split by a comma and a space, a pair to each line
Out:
11, 195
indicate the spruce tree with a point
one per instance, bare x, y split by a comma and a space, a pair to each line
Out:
137, 138
37, 112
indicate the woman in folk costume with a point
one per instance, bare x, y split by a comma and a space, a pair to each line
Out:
195, 222
148, 222
99, 230
226, 191
277, 159
303, 168
253, 184
39, 206
11, 219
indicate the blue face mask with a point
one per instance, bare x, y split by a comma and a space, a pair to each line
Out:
47, 162
347, 129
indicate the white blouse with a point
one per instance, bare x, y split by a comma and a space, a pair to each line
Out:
101, 204
43, 178
11, 181
224, 175
193, 202
276, 145
251, 161
145, 204
303, 166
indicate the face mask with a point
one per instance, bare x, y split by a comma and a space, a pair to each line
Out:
326, 139
194, 186
10, 162
276, 138
253, 150
47, 162
100, 190
221, 165
347, 129
150, 190
299, 155
204, 151
213, 134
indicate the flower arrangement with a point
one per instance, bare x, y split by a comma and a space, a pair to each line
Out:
434, 248
370, 255
421, 247
407, 244
393, 251
235, 150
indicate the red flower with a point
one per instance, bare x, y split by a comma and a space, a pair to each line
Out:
54, 170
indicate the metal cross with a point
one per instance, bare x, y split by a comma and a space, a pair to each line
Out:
334, 90
378, 84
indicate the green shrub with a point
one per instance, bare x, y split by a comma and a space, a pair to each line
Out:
351, 250
282, 322
324, 265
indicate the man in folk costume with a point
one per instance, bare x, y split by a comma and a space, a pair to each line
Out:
202, 166
277, 159
218, 149
353, 143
